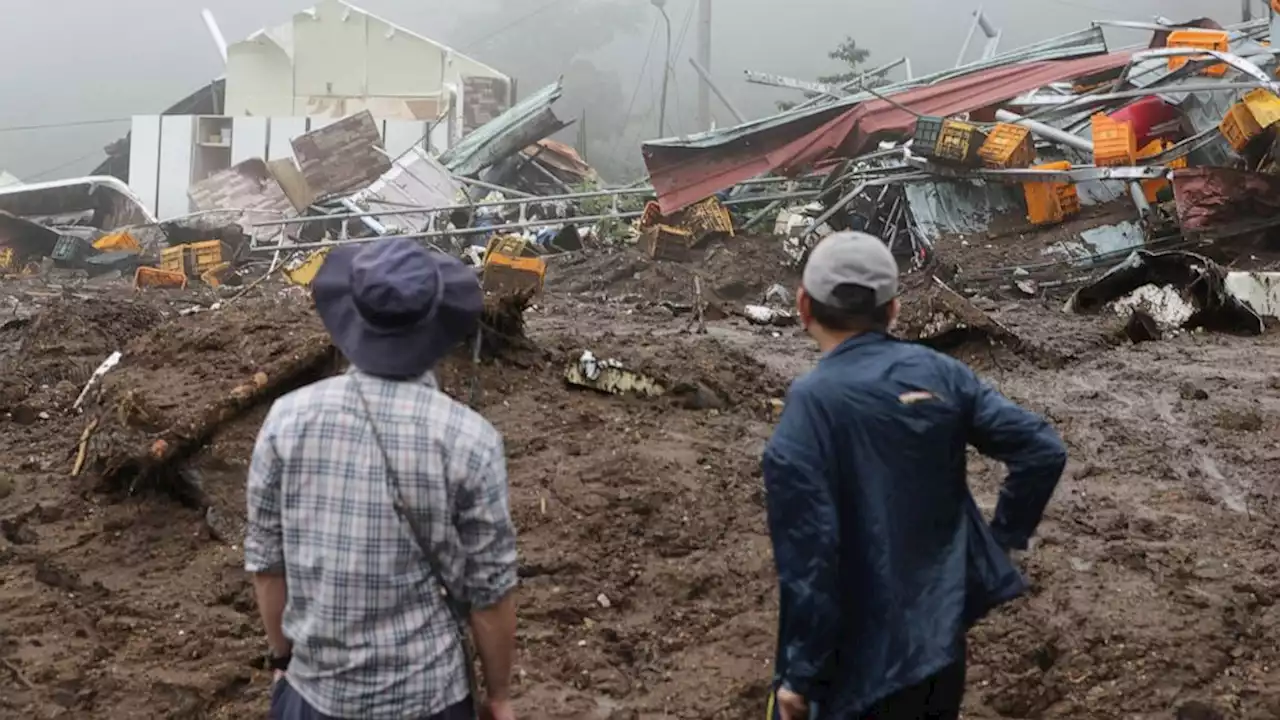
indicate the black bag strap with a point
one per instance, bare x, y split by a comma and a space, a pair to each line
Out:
451, 600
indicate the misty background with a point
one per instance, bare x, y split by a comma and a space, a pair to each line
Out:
77, 61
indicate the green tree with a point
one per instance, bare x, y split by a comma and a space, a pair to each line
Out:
853, 59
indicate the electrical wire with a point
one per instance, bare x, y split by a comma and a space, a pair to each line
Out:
62, 166
514, 23
635, 93
73, 123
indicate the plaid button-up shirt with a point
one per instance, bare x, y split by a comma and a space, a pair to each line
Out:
372, 636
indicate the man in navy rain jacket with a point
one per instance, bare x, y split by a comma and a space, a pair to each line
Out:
884, 560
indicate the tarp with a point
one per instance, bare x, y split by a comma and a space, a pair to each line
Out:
683, 175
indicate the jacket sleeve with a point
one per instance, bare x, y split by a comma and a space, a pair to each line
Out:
1031, 450
804, 527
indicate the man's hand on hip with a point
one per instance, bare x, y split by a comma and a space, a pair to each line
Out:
792, 706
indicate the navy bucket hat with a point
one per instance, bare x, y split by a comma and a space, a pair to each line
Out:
395, 308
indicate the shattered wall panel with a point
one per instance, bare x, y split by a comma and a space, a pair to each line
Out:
342, 157
247, 186
483, 101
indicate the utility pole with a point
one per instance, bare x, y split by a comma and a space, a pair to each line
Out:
666, 69
1246, 10
704, 58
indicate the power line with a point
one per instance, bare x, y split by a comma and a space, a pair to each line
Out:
73, 123
63, 166
635, 93
514, 23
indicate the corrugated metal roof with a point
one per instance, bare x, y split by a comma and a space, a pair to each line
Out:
684, 174
527, 122
961, 207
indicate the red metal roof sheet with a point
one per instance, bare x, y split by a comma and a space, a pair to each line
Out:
684, 175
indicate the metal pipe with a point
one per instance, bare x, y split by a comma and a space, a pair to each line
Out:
666, 69
705, 75
835, 208
491, 186
1046, 131
508, 226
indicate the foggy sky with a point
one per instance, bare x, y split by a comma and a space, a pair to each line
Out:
76, 60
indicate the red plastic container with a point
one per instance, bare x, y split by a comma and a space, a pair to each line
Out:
1151, 119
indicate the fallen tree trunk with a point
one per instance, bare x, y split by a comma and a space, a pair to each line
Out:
180, 383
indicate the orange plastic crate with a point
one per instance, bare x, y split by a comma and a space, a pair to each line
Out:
1152, 188
1008, 146
155, 277
1051, 202
1201, 39
504, 274
1239, 126
1114, 142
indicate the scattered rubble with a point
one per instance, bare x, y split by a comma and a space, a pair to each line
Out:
1091, 228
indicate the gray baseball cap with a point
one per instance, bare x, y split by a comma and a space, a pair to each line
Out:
855, 259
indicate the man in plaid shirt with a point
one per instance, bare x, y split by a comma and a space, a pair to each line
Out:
378, 506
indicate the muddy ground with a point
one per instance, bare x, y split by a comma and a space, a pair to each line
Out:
648, 588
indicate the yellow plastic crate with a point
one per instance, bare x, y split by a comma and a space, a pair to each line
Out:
509, 245
709, 217
1008, 146
1239, 126
6, 259
205, 255
1264, 105
959, 142
117, 241
174, 259
304, 272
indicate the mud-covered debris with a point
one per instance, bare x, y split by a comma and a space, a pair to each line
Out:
1196, 710
1189, 391
1177, 289
610, 376
761, 315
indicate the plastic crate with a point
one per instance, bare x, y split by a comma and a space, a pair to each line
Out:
117, 241
69, 249
146, 277
508, 245
664, 242
1264, 105
1152, 188
174, 259
6, 259
304, 272
506, 275
959, 142
1239, 126
205, 255
1050, 202
925, 139
1008, 146
1200, 39
705, 220
1114, 143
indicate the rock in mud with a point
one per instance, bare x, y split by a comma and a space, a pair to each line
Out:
1189, 391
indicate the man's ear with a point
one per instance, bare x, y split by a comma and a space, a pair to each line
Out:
802, 304
895, 307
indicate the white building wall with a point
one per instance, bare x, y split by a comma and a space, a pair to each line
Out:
329, 51
259, 79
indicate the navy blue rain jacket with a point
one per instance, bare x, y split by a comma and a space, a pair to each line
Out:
884, 560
